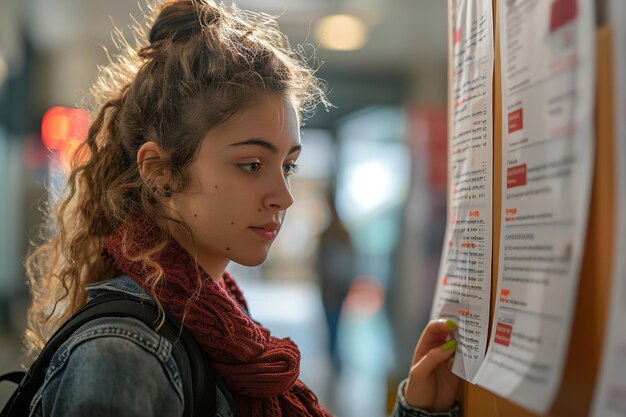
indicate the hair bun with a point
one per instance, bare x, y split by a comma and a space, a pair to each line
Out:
180, 20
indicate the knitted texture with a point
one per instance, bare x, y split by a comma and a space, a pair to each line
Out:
260, 370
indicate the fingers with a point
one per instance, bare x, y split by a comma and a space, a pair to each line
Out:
431, 384
434, 334
436, 356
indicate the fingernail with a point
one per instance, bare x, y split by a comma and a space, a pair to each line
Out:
450, 344
452, 325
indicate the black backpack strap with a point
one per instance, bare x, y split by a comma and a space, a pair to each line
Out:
201, 373
15, 377
185, 350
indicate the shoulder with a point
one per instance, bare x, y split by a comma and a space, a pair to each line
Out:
112, 363
122, 284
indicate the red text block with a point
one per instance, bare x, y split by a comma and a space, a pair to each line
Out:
562, 12
516, 120
516, 176
503, 334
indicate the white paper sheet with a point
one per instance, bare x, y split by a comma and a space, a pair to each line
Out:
547, 58
464, 281
610, 395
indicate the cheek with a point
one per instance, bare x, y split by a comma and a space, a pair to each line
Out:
235, 196
220, 207
223, 204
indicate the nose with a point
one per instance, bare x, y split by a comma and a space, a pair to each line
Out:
279, 195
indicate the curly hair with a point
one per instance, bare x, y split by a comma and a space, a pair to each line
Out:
194, 64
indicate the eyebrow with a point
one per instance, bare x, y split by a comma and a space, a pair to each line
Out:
265, 145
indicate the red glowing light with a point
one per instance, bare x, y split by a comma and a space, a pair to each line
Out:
61, 126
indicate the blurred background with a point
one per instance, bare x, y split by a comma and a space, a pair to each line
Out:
352, 274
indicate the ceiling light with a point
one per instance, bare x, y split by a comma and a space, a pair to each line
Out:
341, 32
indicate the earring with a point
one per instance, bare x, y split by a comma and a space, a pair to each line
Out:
167, 192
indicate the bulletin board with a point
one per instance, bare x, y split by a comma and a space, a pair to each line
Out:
585, 347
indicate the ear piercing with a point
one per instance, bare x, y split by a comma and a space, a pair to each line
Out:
167, 190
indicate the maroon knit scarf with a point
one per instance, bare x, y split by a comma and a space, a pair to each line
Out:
260, 370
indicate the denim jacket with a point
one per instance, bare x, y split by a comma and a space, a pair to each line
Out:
116, 366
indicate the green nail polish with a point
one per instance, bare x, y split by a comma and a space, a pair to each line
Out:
450, 344
452, 325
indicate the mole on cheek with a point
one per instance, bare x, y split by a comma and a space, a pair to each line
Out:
259, 210
195, 215
227, 248
216, 187
232, 224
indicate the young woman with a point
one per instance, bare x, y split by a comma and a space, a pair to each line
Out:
186, 167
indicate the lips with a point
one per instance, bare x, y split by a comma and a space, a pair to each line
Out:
267, 231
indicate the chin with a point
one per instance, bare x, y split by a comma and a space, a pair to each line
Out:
250, 259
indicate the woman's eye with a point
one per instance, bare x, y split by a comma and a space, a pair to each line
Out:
250, 167
290, 169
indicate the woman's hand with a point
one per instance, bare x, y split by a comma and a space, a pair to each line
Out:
431, 385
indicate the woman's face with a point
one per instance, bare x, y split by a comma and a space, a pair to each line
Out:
239, 187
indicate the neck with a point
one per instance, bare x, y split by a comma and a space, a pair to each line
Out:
214, 266
215, 270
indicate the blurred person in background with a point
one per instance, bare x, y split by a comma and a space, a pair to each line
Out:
186, 167
335, 266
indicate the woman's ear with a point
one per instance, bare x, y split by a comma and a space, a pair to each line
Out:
150, 160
